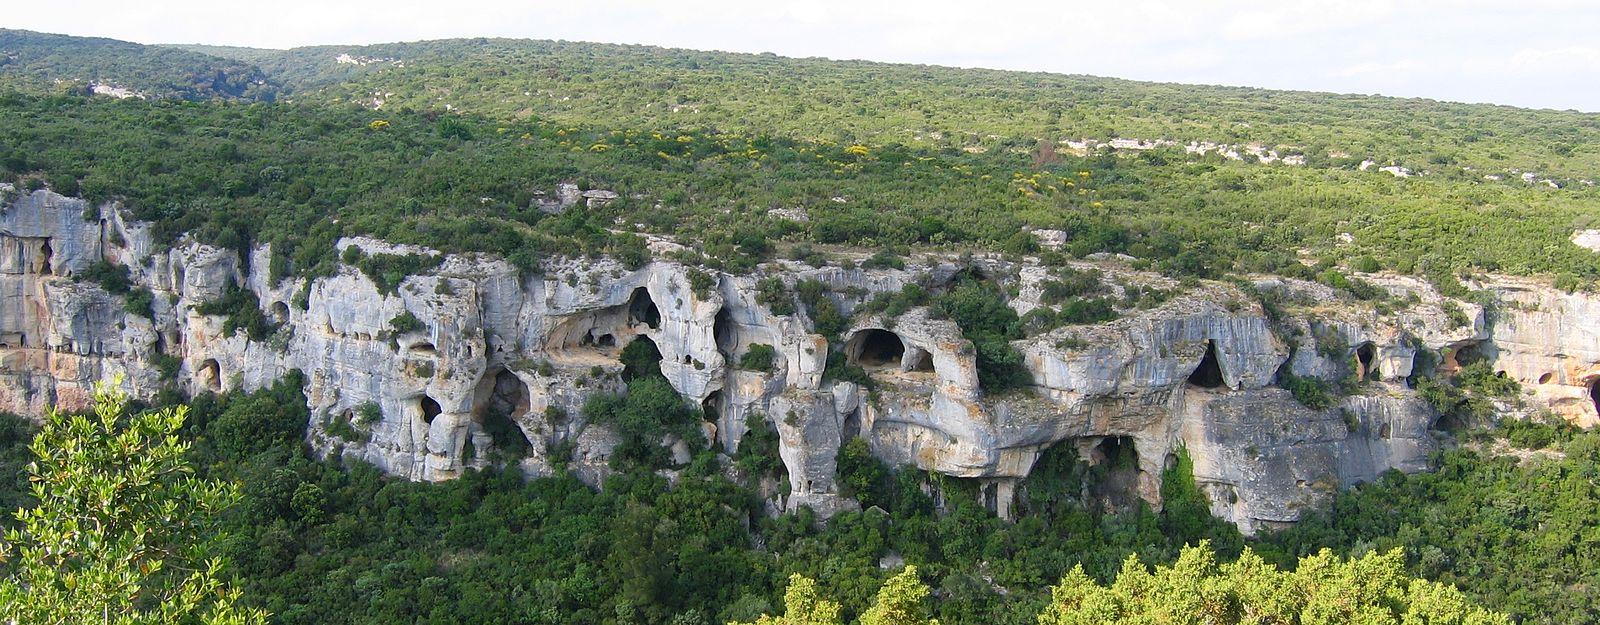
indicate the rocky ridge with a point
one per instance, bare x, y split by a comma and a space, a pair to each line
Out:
1197, 372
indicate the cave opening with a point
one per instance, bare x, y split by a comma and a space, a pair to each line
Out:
430, 409
1209, 373
722, 331
1545, 379
211, 374
606, 340
712, 406
280, 313
641, 358
642, 309
1365, 354
921, 360
852, 426
1594, 393
45, 252
1114, 474
423, 348
1424, 363
879, 349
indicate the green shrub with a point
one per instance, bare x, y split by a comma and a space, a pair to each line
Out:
758, 357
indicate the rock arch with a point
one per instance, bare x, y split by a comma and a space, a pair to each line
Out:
502, 400
1207, 374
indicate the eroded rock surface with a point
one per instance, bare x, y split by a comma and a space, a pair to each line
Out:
1199, 371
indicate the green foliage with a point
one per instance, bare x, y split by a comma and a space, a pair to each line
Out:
140, 302
1458, 523
758, 449
701, 283
775, 295
1478, 377
1309, 391
894, 304
1322, 589
46, 63
405, 323
862, 475
253, 423
758, 357
649, 410
901, 601
110, 276
121, 532
387, 271
985, 319
802, 606
1070, 283
1186, 511
243, 312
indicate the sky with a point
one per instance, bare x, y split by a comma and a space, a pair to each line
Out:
1532, 53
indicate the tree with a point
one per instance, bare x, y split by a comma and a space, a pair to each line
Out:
900, 602
1322, 589
802, 606
122, 530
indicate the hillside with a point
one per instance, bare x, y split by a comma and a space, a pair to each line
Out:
764, 153
46, 63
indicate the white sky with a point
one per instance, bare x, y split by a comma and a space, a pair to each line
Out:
1539, 53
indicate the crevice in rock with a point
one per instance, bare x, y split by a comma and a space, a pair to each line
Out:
1208, 374
642, 309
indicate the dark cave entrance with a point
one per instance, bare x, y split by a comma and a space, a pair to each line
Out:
1114, 473
921, 360
1209, 373
1594, 393
879, 349
852, 426
210, 374
1365, 355
45, 252
641, 358
430, 409
711, 408
642, 309
722, 331
280, 313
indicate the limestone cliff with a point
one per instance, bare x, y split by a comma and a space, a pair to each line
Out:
1197, 371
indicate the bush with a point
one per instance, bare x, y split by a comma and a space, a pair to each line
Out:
1310, 392
758, 357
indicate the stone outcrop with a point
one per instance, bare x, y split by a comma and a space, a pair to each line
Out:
1197, 372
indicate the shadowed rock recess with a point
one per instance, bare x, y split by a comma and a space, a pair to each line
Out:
493, 367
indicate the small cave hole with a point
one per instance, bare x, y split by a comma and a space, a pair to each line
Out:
852, 426
606, 340
879, 349
430, 409
1365, 354
1594, 393
211, 374
642, 309
921, 360
1209, 373
1545, 379
722, 331
423, 348
45, 252
712, 406
506, 400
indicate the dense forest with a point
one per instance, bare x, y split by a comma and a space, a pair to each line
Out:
315, 541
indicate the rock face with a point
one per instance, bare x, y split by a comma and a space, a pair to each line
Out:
419, 374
